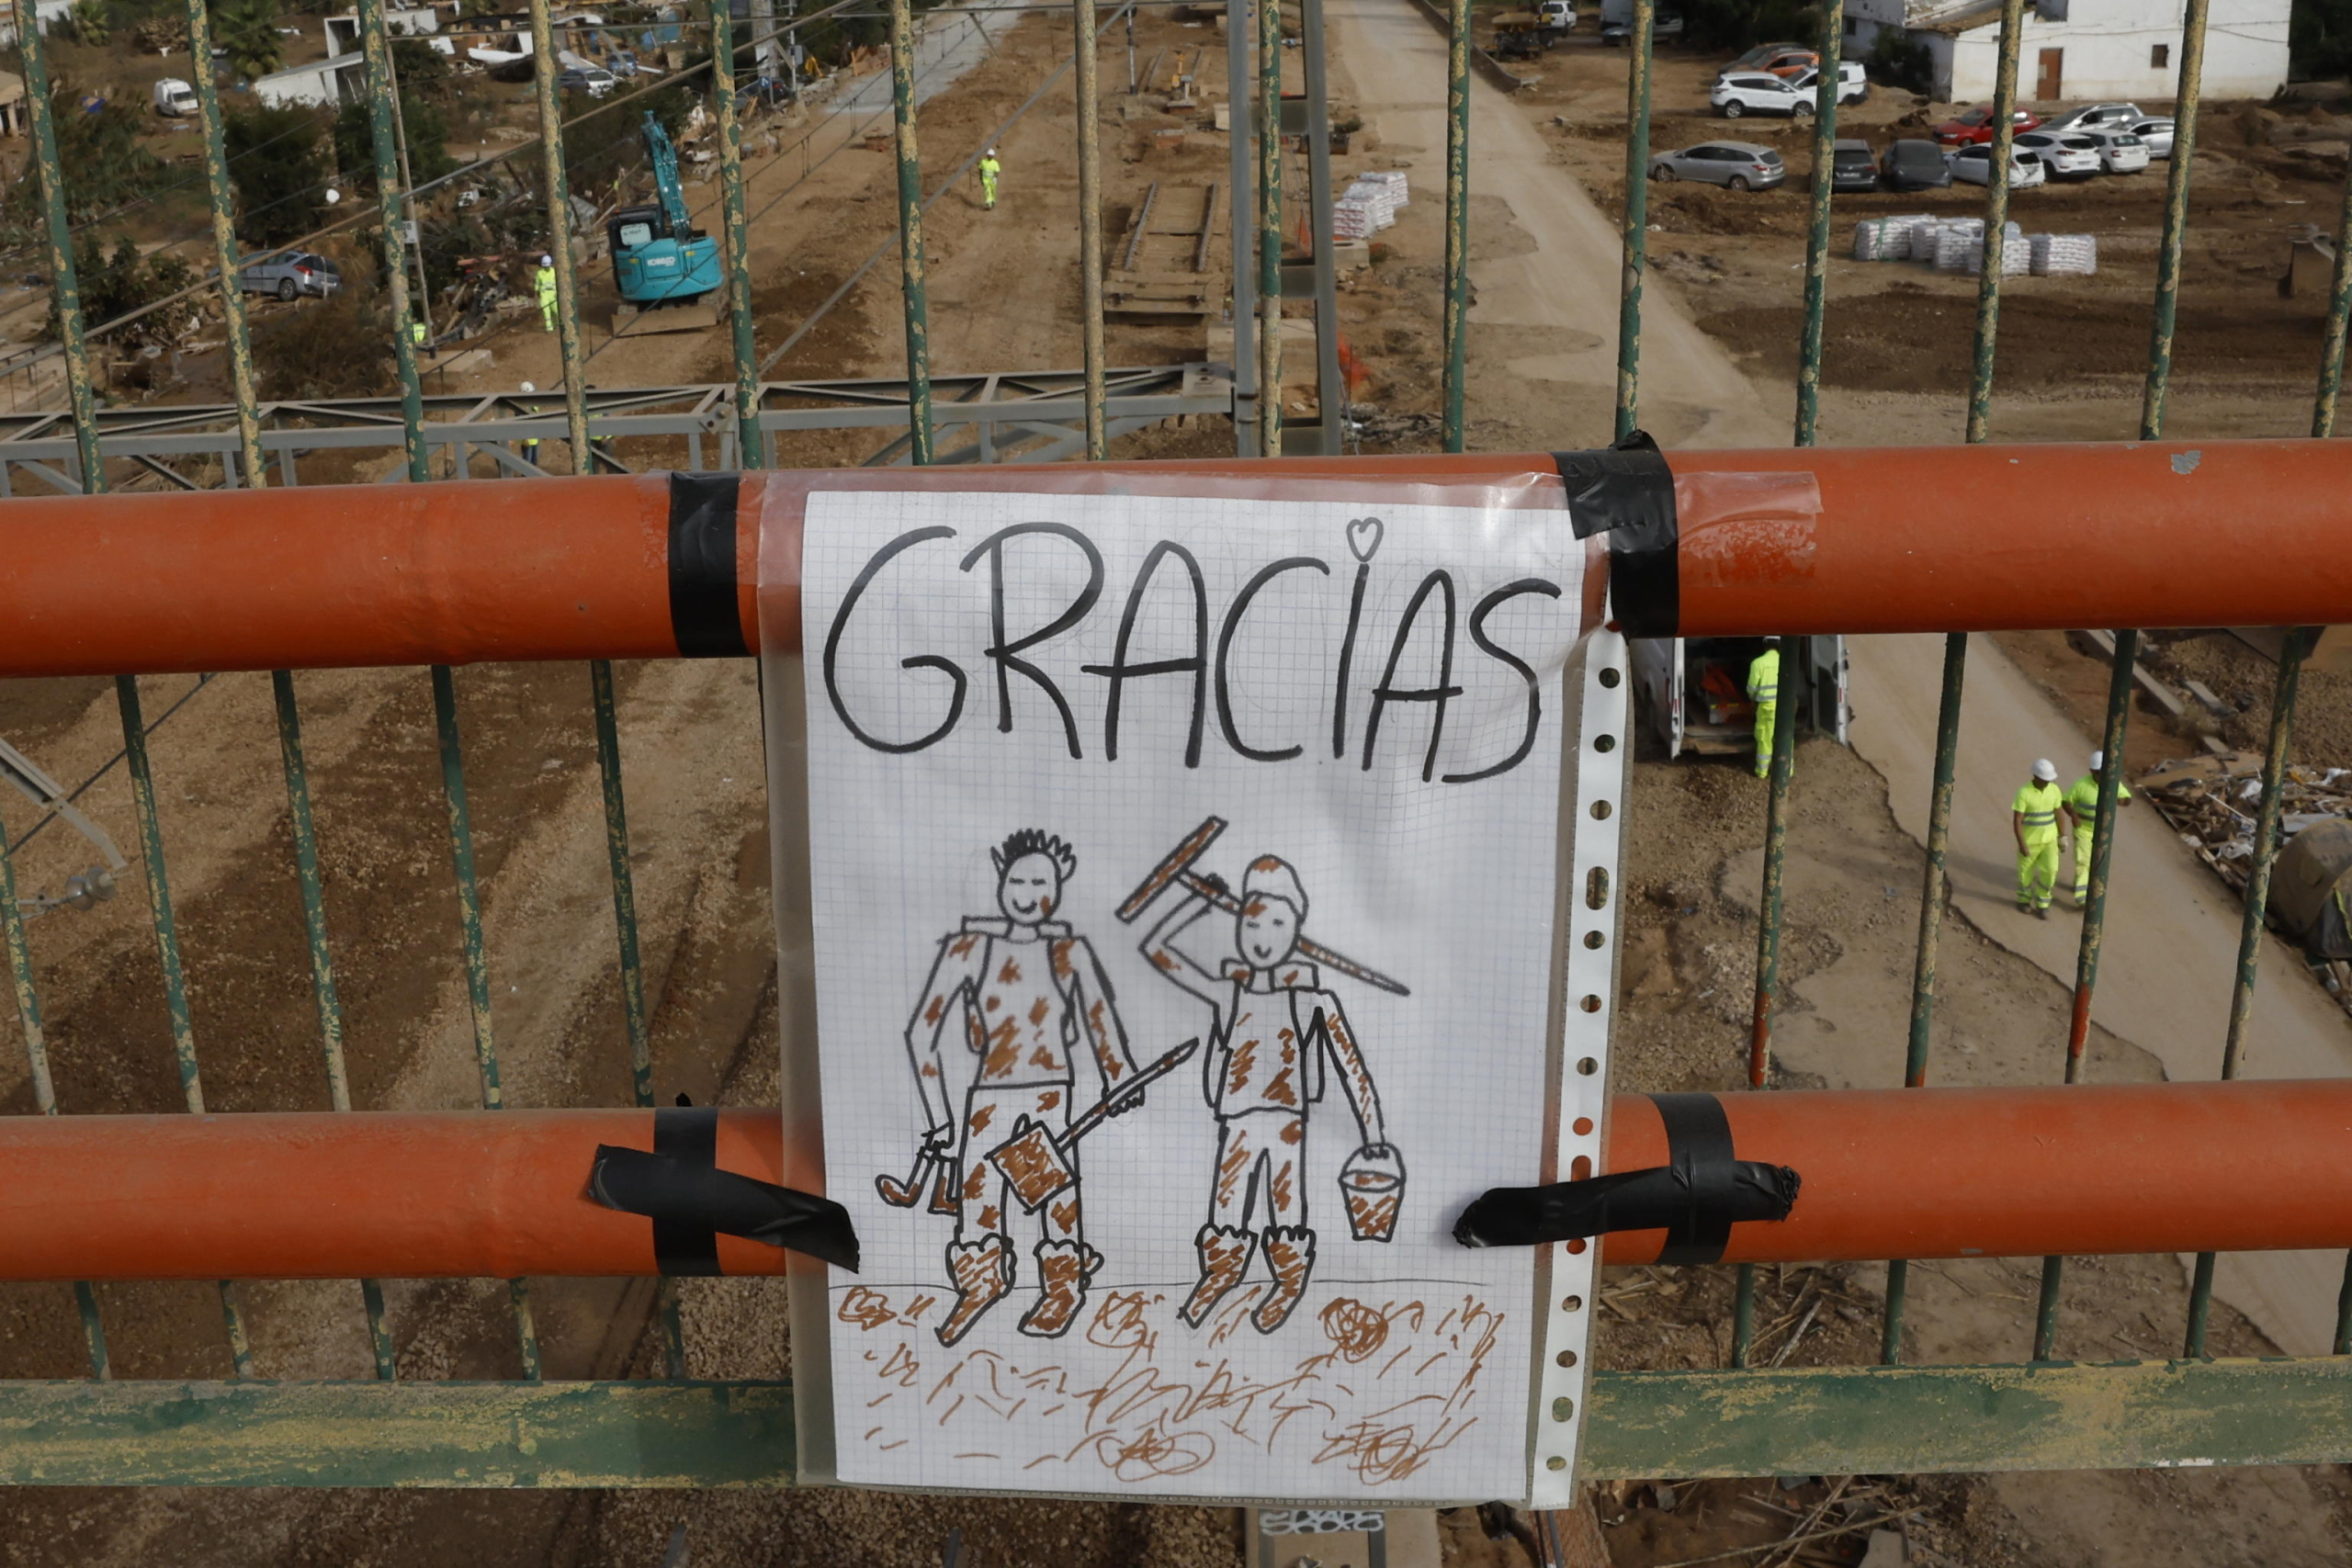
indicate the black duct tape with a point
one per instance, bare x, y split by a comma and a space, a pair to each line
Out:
1626, 490
1695, 1198
705, 613
691, 1202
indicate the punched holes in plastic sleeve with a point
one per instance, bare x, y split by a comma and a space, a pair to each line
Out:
1742, 529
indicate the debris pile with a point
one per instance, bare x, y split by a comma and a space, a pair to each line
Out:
2211, 801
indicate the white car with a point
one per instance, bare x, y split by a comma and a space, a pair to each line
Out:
1757, 92
1853, 84
2091, 117
2064, 155
1974, 165
2119, 152
2155, 135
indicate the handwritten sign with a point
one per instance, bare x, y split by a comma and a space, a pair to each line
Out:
1184, 883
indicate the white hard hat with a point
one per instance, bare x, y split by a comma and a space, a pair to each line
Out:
528, 388
546, 261
2098, 760
2046, 770
992, 152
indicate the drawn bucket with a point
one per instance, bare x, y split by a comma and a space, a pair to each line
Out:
1372, 1182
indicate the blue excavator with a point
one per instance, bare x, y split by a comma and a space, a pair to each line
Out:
667, 270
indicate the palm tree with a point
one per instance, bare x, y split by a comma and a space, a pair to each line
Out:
90, 22
247, 31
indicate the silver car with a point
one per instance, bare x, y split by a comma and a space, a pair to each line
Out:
291, 277
2096, 117
2156, 134
2119, 152
1736, 165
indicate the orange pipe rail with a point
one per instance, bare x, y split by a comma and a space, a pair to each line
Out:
1948, 539
1902, 1173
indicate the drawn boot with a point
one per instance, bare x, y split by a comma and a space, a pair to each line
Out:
981, 1272
1062, 1272
1290, 1256
1225, 1258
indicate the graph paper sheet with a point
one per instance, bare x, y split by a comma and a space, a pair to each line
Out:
1236, 820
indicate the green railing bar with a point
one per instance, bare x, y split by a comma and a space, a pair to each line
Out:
1090, 227
461, 861
1997, 221
1270, 229
1457, 220
912, 285
1782, 767
1816, 243
1934, 888
385, 140
224, 250
64, 287
1637, 210
2170, 246
2339, 313
735, 246
325, 993
2078, 1029
2250, 928
167, 954
557, 187
20, 978
1639, 1424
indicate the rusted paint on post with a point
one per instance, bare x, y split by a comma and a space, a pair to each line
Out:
2339, 314
1457, 221
1269, 228
64, 287
912, 284
2175, 238
1636, 220
1816, 244
1089, 226
239, 345
556, 190
1996, 219
735, 246
384, 139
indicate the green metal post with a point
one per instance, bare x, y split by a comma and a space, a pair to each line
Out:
1269, 228
1637, 229
2339, 313
1090, 228
323, 990
1789, 686
2078, 1031
1996, 219
2251, 921
385, 137
64, 287
1457, 220
912, 283
557, 190
461, 860
1816, 244
167, 952
21, 977
2175, 238
1935, 887
224, 250
735, 245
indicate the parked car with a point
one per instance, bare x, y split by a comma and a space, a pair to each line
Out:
1784, 63
2156, 134
2119, 152
1976, 126
1665, 26
1738, 165
2067, 154
1755, 58
1853, 165
595, 81
291, 276
1913, 165
2087, 116
1973, 165
1853, 83
1752, 92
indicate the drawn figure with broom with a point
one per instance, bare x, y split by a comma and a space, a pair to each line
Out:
1018, 990
1274, 1027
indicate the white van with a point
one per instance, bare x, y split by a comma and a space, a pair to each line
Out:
1694, 690
174, 97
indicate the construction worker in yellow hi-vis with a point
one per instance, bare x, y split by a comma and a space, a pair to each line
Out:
544, 282
2082, 801
2034, 816
1764, 691
989, 170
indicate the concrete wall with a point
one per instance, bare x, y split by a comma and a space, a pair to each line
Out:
343, 32
322, 81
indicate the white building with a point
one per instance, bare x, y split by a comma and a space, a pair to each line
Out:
338, 79
48, 12
343, 32
2082, 49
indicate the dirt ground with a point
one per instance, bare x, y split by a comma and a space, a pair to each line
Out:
1004, 294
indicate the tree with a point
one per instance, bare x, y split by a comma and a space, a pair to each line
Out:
106, 165
277, 163
90, 23
247, 31
428, 135
121, 280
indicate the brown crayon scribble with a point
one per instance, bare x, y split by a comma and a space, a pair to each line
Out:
1152, 1452
901, 1367
1119, 1322
867, 1308
1356, 1331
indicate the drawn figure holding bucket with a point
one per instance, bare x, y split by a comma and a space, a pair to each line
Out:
1019, 990
1274, 1028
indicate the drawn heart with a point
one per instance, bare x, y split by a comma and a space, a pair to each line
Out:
1365, 535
